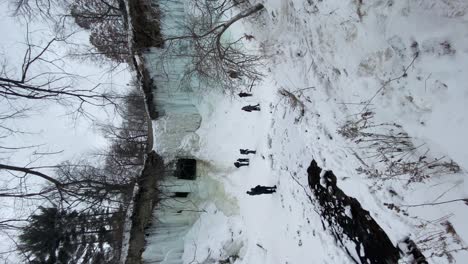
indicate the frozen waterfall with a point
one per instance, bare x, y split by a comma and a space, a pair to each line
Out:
174, 139
178, 118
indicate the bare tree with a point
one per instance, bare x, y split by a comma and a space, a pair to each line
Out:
32, 8
42, 77
215, 57
87, 12
107, 180
90, 186
128, 141
72, 185
105, 19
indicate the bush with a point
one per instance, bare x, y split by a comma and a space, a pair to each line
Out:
394, 151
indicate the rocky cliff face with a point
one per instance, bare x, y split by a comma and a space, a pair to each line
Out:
348, 221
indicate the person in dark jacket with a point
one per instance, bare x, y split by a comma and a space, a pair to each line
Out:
233, 74
240, 164
257, 190
250, 108
243, 94
247, 151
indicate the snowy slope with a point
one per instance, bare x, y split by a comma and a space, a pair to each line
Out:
339, 59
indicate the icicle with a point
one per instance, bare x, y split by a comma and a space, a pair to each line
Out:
174, 136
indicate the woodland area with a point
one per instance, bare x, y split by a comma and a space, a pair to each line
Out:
81, 203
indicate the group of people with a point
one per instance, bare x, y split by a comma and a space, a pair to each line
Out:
241, 162
249, 108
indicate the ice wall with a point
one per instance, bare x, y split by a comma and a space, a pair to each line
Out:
172, 219
177, 220
173, 95
174, 137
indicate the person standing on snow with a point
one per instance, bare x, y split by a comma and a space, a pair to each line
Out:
257, 190
250, 108
247, 151
241, 162
243, 94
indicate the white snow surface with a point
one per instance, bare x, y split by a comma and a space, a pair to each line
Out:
333, 60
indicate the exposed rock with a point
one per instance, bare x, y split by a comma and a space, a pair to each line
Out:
348, 221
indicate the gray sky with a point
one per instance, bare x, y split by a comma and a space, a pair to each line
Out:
52, 127
52, 123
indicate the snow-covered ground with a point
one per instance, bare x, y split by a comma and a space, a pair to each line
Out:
404, 61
